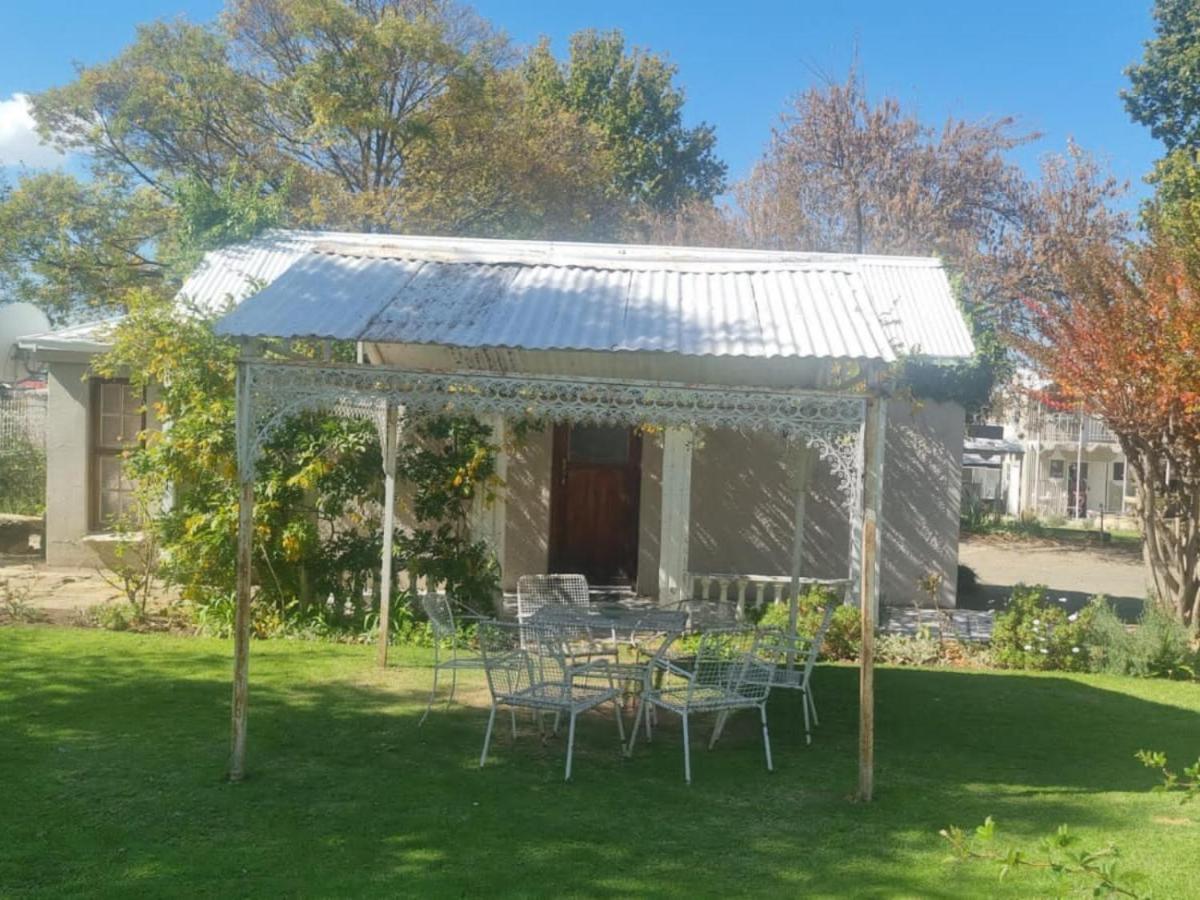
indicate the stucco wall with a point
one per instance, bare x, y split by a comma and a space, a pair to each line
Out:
743, 506
743, 509
68, 436
527, 513
67, 466
922, 486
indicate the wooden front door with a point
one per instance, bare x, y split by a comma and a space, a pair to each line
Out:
594, 502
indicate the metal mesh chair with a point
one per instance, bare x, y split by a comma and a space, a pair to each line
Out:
528, 667
725, 676
545, 593
792, 659
536, 591
441, 620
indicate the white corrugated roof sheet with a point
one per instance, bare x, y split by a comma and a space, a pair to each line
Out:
543, 295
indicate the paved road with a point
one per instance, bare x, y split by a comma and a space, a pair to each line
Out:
1068, 570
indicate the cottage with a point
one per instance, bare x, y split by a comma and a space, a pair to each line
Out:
662, 511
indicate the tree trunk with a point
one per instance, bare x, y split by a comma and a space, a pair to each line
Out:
1170, 513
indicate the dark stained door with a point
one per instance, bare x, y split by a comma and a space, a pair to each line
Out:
594, 502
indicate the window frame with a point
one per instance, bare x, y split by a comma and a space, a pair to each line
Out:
96, 450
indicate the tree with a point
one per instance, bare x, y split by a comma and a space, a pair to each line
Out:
388, 115
844, 174
1115, 325
69, 245
1163, 95
1163, 92
631, 99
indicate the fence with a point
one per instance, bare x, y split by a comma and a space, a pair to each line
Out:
1064, 429
23, 417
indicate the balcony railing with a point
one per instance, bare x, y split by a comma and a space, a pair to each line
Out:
1065, 430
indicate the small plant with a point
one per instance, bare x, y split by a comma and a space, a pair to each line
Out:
921, 649
1094, 872
1033, 633
16, 603
1187, 783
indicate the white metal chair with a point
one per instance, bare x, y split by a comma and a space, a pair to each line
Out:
536, 591
792, 659
725, 676
528, 667
441, 620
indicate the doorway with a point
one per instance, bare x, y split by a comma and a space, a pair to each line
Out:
594, 494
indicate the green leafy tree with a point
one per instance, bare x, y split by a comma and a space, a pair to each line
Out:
1164, 95
631, 98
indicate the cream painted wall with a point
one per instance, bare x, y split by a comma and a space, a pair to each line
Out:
67, 466
742, 507
922, 486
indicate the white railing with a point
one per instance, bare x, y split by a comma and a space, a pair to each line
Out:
748, 592
1064, 429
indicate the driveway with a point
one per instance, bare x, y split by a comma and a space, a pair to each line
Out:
1074, 571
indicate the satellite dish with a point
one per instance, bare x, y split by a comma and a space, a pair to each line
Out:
16, 321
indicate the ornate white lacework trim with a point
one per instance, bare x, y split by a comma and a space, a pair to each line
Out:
271, 392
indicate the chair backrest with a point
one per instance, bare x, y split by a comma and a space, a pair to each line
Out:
779, 647
518, 656
536, 591
441, 615
722, 657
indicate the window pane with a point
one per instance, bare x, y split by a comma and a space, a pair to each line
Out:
599, 444
1118, 471
1056, 468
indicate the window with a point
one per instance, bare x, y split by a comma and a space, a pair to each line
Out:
1118, 471
1056, 468
117, 418
598, 444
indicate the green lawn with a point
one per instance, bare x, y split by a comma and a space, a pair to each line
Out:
112, 749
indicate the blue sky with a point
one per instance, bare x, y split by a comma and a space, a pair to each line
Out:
1055, 64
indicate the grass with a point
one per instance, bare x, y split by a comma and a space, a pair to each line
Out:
112, 749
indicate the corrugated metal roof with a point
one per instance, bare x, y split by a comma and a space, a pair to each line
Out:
545, 295
86, 337
568, 296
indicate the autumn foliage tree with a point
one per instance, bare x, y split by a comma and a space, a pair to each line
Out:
1118, 332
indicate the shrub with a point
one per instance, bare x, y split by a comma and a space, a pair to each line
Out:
842, 638
921, 649
22, 477
1033, 633
1158, 647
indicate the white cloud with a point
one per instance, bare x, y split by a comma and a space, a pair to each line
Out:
19, 142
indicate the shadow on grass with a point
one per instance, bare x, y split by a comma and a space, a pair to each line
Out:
112, 752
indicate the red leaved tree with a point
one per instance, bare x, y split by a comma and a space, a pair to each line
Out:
1117, 328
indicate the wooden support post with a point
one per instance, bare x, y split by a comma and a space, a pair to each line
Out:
241, 633
873, 438
239, 708
388, 445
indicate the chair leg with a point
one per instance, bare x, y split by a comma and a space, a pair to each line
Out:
487, 737
637, 724
432, 694
812, 704
687, 752
570, 745
453, 685
620, 724
513, 715
766, 737
718, 728
807, 724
